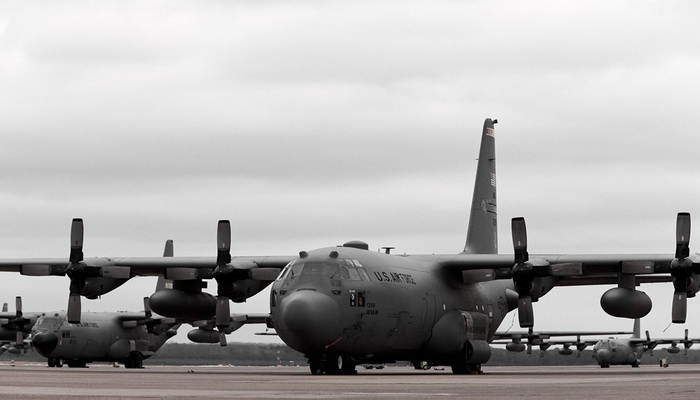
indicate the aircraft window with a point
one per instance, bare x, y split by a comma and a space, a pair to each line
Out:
363, 274
344, 272
296, 270
354, 276
316, 268
357, 264
285, 270
49, 323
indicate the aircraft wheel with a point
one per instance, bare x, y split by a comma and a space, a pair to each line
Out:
605, 365
463, 368
59, 363
51, 362
315, 365
135, 360
333, 364
348, 366
77, 364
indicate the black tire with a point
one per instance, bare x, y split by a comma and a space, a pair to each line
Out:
135, 360
333, 364
348, 366
315, 365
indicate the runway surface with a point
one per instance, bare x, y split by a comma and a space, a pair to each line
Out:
33, 381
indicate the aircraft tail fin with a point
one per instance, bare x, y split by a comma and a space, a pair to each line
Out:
482, 232
162, 282
4, 307
637, 329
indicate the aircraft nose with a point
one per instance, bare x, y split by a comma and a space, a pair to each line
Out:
309, 320
44, 342
603, 355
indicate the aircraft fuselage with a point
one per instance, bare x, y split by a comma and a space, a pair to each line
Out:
609, 352
376, 307
98, 337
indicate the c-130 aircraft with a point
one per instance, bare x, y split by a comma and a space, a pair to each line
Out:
345, 305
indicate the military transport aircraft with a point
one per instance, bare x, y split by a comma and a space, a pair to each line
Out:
122, 337
629, 351
606, 352
519, 341
15, 328
345, 305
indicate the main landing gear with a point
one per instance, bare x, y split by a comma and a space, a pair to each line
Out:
332, 364
55, 362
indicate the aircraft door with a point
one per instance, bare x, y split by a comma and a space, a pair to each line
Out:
427, 313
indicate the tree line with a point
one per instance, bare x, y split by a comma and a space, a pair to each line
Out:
258, 354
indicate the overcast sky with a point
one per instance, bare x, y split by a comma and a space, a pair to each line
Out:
308, 124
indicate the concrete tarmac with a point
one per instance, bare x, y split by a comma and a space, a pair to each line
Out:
100, 381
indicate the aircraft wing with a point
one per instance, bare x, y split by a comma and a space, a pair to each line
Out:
567, 269
152, 266
549, 334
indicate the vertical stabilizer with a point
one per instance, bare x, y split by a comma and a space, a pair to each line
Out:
163, 283
636, 329
482, 233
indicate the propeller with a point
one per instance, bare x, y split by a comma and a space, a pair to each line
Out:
681, 269
223, 273
76, 270
523, 273
650, 344
17, 323
686, 342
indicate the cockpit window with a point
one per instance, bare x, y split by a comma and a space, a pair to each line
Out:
348, 269
285, 271
319, 268
50, 323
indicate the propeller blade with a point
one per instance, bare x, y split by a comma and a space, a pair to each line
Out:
76, 240
223, 311
19, 339
223, 236
525, 314
679, 307
18, 305
73, 312
682, 235
223, 317
519, 233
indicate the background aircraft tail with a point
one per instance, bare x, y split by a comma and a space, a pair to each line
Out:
636, 330
482, 231
163, 283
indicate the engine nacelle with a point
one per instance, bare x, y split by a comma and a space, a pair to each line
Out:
625, 303
566, 351
97, 286
516, 347
674, 349
203, 336
175, 303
